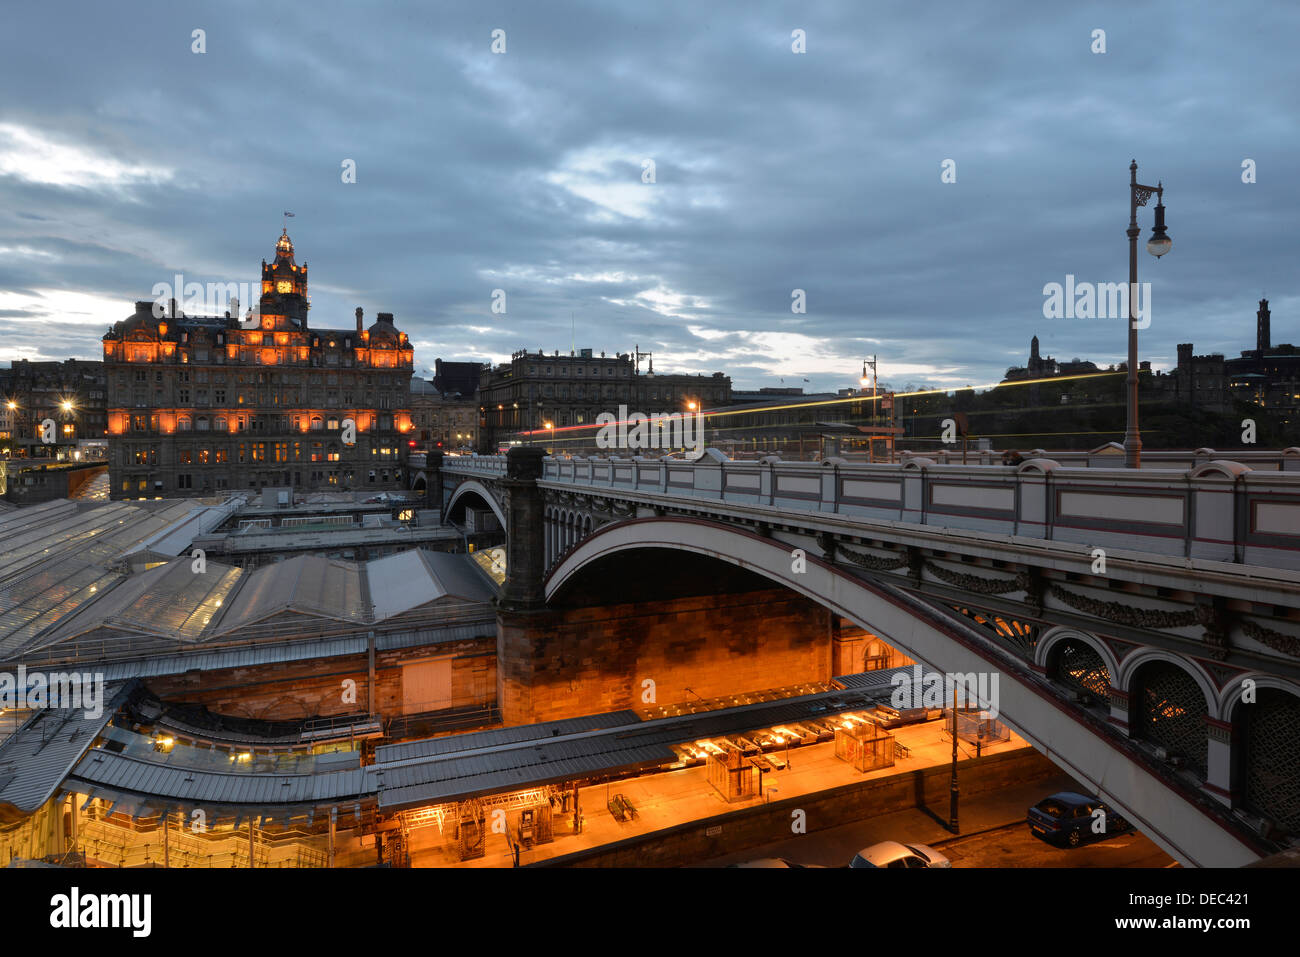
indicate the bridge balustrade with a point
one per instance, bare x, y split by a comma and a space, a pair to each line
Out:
1217, 510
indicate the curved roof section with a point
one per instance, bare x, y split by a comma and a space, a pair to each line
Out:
68, 592
59, 557
58, 589
172, 598
36, 758
305, 584
405, 581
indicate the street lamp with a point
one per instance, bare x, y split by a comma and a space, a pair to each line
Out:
551, 427
871, 439
1157, 246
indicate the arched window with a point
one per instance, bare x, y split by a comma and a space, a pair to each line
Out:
1269, 757
183, 423
1078, 666
317, 423
1169, 710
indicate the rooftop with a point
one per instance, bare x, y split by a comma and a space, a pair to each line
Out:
102, 583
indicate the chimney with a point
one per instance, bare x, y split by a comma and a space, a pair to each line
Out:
359, 314
1261, 327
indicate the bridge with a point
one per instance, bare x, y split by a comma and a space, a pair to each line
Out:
1145, 623
28, 481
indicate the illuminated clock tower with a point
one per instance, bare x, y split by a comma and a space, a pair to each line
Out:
284, 289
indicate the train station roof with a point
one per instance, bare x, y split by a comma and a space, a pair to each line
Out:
409, 579
126, 767
102, 583
36, 758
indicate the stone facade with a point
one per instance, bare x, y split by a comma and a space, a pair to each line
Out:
72, 393
534, 388
291, 690
568, 662
441, 421
201, 405
1267, 376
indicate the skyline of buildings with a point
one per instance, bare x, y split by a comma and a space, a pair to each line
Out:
508, 399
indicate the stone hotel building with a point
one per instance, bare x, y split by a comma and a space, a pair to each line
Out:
202, 405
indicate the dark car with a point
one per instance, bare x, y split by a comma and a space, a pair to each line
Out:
1070, 819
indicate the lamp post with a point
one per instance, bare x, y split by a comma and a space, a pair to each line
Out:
551, 427
1157, 246
954, 792
67, 428
871, 439
15, 430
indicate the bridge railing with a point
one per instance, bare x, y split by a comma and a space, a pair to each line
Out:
1112, 456
1218, 510
475, 464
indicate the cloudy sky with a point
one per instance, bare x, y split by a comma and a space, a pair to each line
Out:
126, 157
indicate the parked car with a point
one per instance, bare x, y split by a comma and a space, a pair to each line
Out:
895, 854
1067, 818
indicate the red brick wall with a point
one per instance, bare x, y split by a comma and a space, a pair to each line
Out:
568, 662
314, 687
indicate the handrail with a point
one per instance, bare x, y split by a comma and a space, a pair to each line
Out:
1207, 510
137, 645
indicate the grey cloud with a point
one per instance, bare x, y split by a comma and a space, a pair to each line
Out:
774, 171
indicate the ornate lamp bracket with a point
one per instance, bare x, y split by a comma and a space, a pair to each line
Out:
1143, 193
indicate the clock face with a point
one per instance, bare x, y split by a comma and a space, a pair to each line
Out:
284, 286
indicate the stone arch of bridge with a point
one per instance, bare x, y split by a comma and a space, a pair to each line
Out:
1174, 818
471, 489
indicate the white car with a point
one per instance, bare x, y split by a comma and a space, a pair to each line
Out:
894, 854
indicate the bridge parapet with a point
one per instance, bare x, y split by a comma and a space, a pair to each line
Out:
1216, 510
1112, 454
